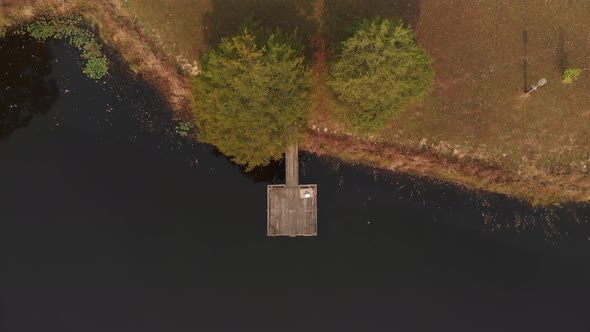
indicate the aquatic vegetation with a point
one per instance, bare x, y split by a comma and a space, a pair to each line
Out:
96, 68
183, 128
71, 29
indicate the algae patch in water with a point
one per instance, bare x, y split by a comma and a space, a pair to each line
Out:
70, 28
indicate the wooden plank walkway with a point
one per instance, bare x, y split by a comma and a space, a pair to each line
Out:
292, 166
291, 207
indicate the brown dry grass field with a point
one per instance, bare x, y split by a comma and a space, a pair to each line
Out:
179, 25
476, 103
475, 127
476, 108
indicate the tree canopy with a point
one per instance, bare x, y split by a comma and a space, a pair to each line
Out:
379, 70
252, 97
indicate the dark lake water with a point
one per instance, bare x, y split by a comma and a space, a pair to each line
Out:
109, 221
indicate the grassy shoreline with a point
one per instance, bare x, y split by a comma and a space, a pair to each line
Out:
533, 186
481, 167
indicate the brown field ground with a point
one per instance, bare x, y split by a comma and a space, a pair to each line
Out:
474, 128
477, 105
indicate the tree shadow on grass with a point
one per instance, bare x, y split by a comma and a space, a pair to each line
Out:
525, 65
288, 15
562, 56
341, 16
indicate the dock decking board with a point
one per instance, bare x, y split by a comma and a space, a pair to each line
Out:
289, 212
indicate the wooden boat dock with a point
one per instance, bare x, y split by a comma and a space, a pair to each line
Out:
292, 208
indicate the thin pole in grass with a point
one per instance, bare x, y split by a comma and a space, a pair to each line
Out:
525, 40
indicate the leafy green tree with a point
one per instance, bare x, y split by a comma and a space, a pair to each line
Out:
252, 97
379, 70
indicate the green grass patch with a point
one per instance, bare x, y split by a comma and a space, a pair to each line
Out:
570, 75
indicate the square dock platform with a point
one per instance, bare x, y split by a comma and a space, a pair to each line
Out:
292, 211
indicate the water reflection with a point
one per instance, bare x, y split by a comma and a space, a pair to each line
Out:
27, 86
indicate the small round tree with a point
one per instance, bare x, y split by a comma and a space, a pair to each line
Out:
251, 99
379, 70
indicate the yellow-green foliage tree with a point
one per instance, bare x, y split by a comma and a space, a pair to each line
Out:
252, 97
379, 70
